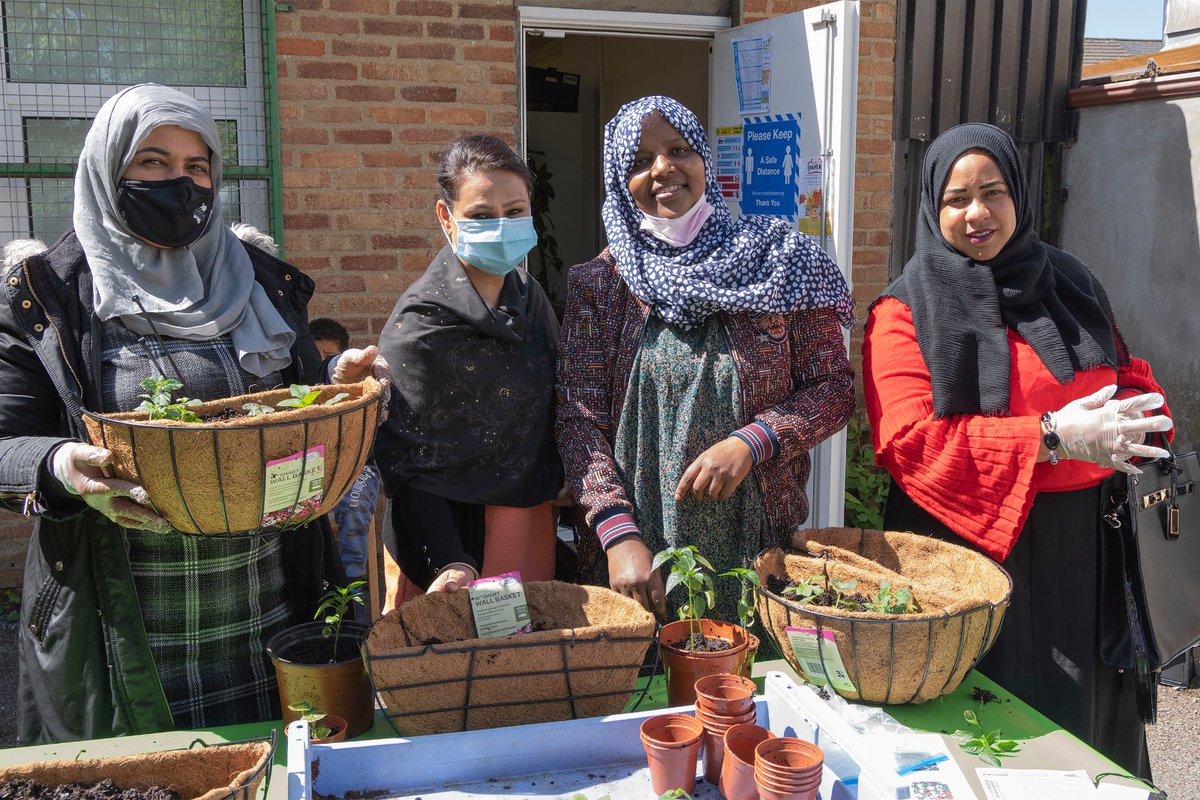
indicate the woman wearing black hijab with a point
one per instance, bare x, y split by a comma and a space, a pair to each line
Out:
991, 374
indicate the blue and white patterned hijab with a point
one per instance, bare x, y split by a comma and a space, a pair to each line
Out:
758, 265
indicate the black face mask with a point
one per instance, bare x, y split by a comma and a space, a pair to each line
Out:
168, 213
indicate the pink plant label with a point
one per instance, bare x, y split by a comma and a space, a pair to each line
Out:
294, 486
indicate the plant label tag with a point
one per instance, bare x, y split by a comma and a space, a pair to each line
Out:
293, 489
498, 605
819, 659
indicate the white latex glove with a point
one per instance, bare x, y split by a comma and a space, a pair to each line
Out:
354, 365
452, 577
80, 468
1099, 429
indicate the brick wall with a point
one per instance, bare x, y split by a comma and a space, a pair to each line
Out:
874, 147
369, 91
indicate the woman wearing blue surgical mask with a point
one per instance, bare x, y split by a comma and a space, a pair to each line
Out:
468, 455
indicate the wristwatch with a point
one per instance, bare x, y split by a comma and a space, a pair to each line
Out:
1049, 437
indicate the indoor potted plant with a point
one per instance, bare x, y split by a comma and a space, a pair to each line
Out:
322, 728
320, 663
695, 646
228, 466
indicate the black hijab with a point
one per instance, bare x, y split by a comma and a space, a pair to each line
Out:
474, 416
962, 307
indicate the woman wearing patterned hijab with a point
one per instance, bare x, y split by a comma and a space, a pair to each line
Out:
988, 370
127, 626
695, 352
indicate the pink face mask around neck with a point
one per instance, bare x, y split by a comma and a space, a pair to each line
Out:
681, 231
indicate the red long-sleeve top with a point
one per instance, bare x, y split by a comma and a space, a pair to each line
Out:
975, 473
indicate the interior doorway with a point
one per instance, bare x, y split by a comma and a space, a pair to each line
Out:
574, 84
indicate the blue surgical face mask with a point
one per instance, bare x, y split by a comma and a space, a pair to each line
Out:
496, 245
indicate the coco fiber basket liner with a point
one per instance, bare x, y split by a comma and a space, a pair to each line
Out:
214, 772
581, 660
886, 658
211, 478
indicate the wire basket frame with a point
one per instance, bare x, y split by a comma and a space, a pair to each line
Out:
482, 649
210, 479
435, 675
950, 642
206, 777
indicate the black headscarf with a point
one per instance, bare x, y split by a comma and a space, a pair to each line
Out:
474, 418
961, 308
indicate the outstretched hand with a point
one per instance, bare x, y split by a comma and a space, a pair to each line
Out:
717, 472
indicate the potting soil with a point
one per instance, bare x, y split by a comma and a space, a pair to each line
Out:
23, 789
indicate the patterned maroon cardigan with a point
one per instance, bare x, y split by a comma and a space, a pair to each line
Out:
794, 378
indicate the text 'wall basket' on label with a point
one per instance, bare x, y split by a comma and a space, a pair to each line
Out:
884, 657
211, 478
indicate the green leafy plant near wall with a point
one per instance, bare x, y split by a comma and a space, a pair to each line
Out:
866, 484
543, 193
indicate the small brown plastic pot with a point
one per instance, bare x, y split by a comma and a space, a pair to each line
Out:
672, 743
723, 721
768, 791
730, 695
337, 729
684, 667
747, 665
737, 767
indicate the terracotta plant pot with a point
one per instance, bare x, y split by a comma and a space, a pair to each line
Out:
726, 695
672, 744
747, 665
337, 729
722, 722
737, 768
787, 766
768, 791
341, 687
684, 667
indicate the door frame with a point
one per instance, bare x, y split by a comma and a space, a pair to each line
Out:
827, 479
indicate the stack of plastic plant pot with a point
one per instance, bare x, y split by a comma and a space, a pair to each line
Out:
786, 768
722, 701
737, 770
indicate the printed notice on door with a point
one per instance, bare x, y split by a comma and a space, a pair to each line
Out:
752, 73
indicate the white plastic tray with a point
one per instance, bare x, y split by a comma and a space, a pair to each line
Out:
596, 757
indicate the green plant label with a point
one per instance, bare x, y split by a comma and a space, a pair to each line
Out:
498, 605
294, 487
819, 659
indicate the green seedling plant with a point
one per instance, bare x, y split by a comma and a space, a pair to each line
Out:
840, 590
302, 397
332, 610
805, 590
675, 794
988, 745
158, 402
891, 600
749, 581
316, 729
694, 573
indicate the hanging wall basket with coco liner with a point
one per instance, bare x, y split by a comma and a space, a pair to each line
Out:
581, 660
865, 653
202, 772
232, 473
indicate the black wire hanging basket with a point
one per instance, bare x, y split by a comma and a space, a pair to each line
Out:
878, 657
236, 475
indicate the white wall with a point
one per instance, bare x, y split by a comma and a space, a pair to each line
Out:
1131, 215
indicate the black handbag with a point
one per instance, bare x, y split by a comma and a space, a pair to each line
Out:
1150, 569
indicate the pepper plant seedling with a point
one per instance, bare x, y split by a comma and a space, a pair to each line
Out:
805, 590
302, 397
312, 716
893, 601
694, 572
988, 745
332, 610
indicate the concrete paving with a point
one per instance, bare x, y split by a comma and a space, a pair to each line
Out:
1174, 753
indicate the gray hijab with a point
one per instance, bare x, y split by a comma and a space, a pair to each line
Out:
198, 292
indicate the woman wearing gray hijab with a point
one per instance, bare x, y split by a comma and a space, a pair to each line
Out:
128, 627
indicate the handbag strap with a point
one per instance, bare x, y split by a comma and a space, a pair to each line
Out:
1118, 517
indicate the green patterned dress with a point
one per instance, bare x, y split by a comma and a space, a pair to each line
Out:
682, 399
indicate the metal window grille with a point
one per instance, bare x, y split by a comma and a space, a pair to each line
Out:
61, 61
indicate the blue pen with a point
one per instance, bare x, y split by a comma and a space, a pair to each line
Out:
916, 765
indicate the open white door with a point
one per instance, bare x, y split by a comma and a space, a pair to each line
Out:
782, 125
